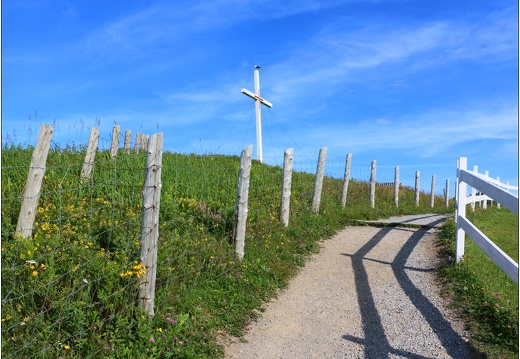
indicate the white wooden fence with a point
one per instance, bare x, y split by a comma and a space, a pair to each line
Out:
493, 190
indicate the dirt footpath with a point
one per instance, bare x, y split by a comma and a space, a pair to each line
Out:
369, 293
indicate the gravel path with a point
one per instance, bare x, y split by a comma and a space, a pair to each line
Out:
369, 293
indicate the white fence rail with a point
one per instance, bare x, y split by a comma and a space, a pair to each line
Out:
490, 189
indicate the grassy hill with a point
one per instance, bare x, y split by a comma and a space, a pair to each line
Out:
71, 290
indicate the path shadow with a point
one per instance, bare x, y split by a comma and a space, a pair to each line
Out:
376, 344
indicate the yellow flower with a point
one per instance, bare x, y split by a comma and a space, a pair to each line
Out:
66, 347
159, 330
34, 273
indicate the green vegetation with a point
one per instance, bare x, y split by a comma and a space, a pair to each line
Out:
487, 297
71, 290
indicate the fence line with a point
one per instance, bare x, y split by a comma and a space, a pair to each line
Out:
494, 190
121, 183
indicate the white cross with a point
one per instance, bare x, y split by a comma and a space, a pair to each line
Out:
256, 96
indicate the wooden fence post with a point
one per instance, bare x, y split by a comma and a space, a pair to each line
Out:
396, 186
86, 171
32, 191
145, 141
447, 193
462, 189
432, 195
128, 135
373, 184
417, 187
286, 186
115, 141
318, 184
138, 141
241, 203
150, 222
346, 178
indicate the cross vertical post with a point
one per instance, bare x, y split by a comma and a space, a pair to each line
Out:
258, 101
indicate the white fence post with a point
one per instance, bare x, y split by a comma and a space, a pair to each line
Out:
33, 185
432, 196
318, 184
447, 193
417, 187
373, 184
285, 201
115, 141
86, 171
396, 186
474, 191
150, 223
483, 203
498, 204
346, 179
241, 203
461, 207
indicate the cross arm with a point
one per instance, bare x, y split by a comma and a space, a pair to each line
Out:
255, 97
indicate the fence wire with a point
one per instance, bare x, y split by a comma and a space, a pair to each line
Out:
73, 286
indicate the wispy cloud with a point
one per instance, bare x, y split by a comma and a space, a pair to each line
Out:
426, 135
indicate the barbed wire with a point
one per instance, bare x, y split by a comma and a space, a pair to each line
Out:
79, 273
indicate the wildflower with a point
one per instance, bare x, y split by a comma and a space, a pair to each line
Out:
66, 347
152, 340
34, 273
159, 330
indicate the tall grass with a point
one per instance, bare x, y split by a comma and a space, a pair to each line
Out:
71, 290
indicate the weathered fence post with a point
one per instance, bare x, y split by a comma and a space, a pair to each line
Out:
115, 141
462, 189
417, 186
150, 222
318, 184
31, 193
447, 193
396, 186
241, 203
285, 202
128, 135
86, 171
346, 178
373, 185
432, 195
145, 141
138, 141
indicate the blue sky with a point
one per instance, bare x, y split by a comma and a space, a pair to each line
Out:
410, 83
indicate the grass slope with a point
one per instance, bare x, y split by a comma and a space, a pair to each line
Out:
71, 290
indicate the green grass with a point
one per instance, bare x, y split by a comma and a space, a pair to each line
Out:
487, 297
71, 291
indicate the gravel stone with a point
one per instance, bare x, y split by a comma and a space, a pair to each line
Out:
369, 293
